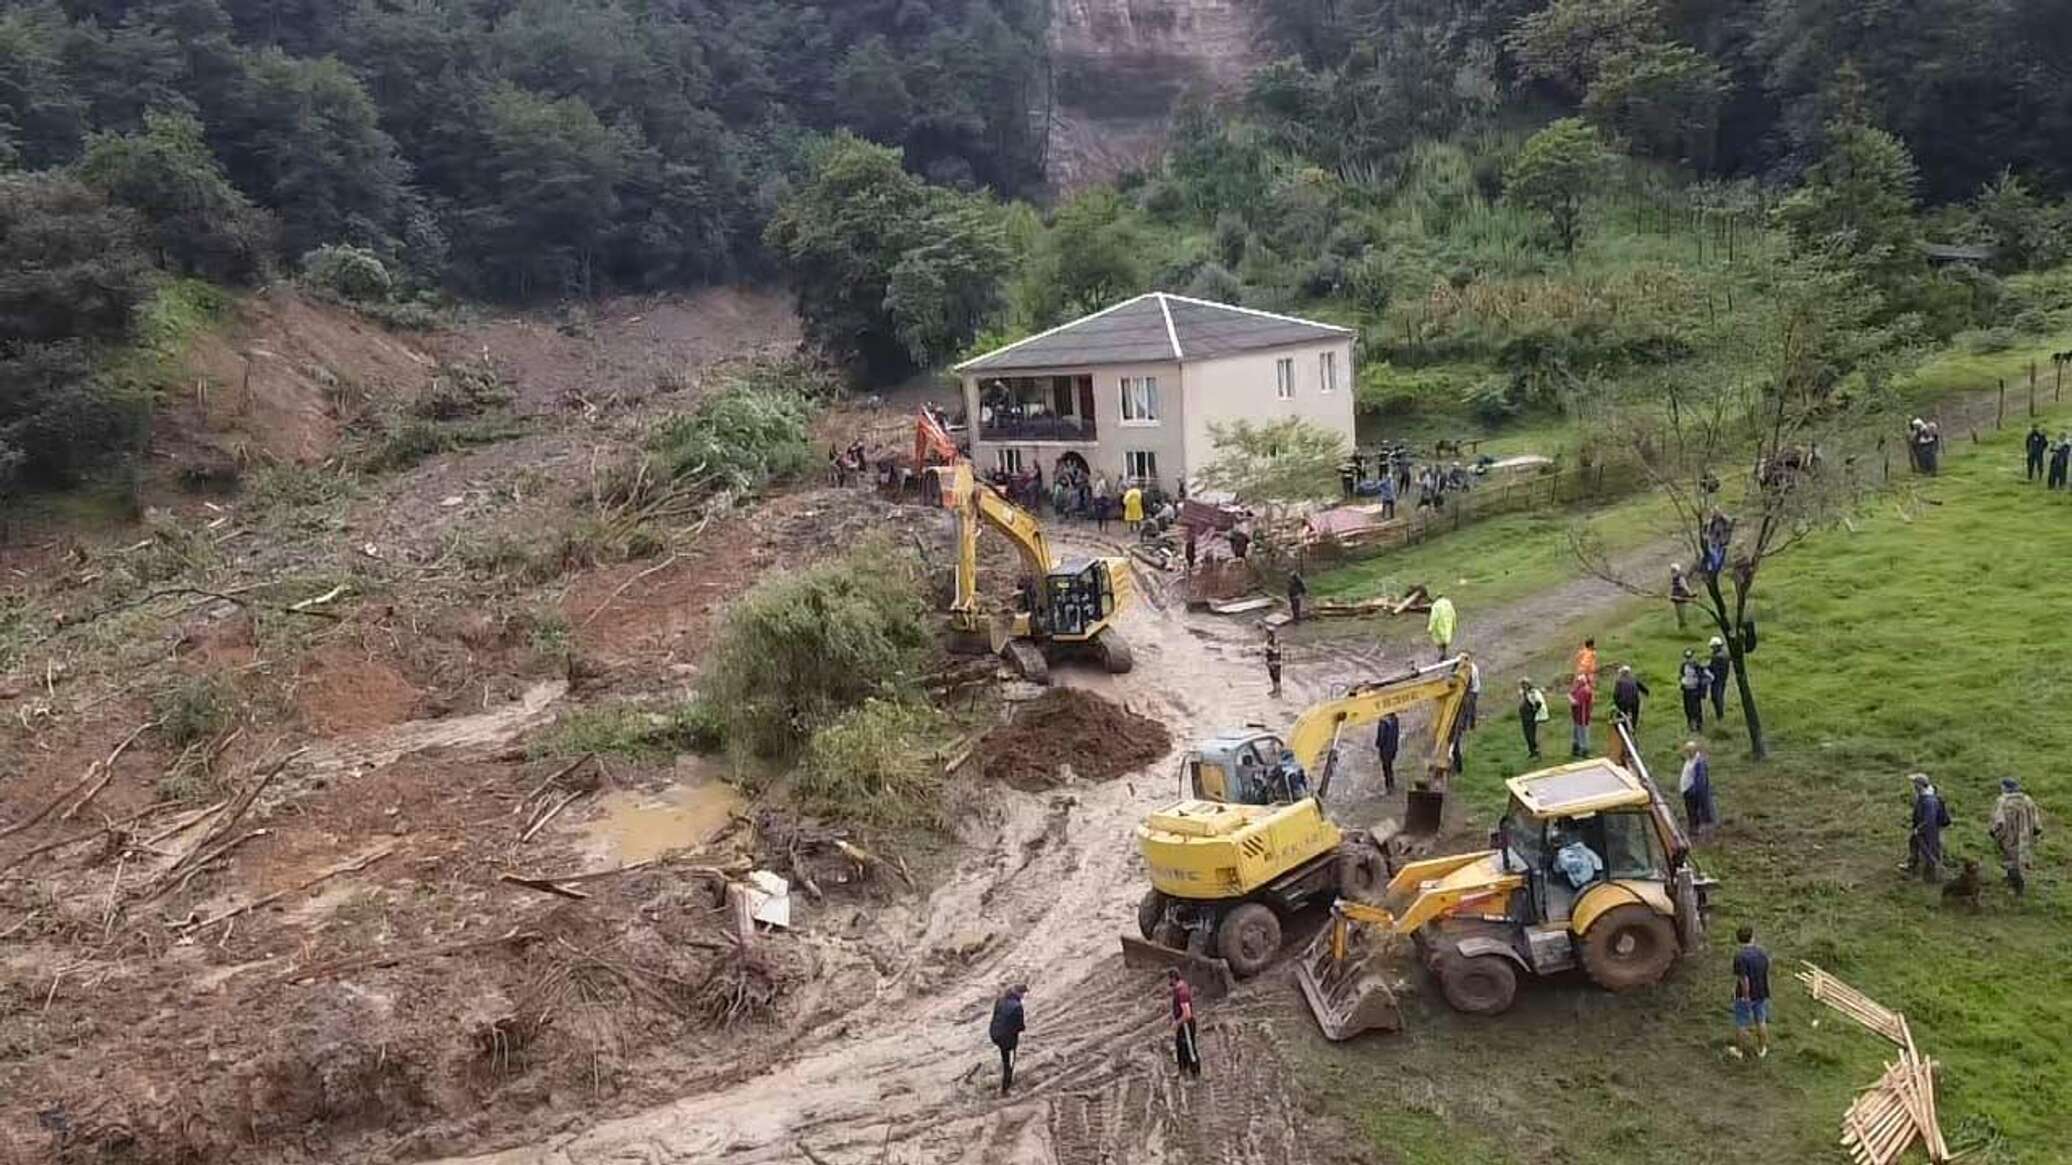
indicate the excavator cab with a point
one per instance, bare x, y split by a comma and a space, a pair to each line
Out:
1079, 596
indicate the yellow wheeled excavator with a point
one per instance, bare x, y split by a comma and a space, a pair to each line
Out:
1065, 606
1588, 867
1251, 843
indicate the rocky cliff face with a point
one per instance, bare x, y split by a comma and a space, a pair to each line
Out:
1120, 65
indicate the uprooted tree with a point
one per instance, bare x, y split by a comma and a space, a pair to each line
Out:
1751, 468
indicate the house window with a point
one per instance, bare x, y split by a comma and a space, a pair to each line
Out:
1327, 372
1284, 379
1140, 464
1010, 460
1140, 399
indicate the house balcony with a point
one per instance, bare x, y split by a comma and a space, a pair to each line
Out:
1048, 409
1041, 427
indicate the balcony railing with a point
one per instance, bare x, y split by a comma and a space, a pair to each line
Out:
1045, 427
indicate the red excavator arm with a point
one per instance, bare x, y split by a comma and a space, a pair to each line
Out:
932, 445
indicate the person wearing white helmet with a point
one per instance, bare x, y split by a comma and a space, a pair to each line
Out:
1719, 668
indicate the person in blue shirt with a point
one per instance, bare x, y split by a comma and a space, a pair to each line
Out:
1924, 838
1388, 739
1751, 995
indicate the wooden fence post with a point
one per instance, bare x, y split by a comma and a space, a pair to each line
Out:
2000, 414
2032, 388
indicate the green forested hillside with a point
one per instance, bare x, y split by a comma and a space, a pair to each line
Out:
1392, 166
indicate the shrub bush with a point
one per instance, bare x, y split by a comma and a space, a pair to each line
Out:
351, 273
875, 764
193, 709
800, 649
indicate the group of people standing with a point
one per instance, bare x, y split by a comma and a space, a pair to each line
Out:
2041, 451
1392, 474
2015, 826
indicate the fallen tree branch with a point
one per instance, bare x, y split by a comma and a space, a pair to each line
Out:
64, 842
75, 787
107, 770
352, 867
370, 962
550, 815
543, 885
622, 588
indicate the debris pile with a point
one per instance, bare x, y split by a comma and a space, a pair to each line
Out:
1886, 1117
1099, 740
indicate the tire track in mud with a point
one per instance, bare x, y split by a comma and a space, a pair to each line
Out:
907, 1076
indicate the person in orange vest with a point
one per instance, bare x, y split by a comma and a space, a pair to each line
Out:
1586, 661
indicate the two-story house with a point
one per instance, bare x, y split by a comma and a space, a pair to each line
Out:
1131, 391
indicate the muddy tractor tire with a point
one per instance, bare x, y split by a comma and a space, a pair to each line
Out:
1028, 660
1248, 938
1151, 910
1477, 985
1630, 946
1115, 652
1363, 874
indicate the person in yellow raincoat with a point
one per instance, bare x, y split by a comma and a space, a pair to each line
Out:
1132, 508
1441, 623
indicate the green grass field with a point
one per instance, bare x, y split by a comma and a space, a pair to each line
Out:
1922, 639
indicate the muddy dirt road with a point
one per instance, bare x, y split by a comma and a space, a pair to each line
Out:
1040, 897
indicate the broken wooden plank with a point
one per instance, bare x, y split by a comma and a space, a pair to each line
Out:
107, 770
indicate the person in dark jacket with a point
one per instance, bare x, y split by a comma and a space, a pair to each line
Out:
1626, 693
1692, 679
2060, 457
1388, 738
2036, 445
1006, 1031
1924, 838
1718, 670
1297, 591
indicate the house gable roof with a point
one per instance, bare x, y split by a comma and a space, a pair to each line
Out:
1152, 328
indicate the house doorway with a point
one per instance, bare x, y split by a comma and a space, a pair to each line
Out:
1071, 467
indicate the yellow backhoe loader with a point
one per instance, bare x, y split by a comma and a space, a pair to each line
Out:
1587, 868
1251, 843
1065, 607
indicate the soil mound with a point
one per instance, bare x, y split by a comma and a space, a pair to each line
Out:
1100, 740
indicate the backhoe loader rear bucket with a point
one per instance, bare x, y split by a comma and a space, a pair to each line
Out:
1350, 994
1209, 977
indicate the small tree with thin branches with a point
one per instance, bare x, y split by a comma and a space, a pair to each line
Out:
1274, 465
1752, 468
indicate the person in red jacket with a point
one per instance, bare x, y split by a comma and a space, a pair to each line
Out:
1581, 696
1186, 1039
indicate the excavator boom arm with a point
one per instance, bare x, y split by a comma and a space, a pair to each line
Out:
976, 504
1444, 683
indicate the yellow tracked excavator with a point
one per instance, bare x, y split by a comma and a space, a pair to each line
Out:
1065, 606
1588, 867
1251, 843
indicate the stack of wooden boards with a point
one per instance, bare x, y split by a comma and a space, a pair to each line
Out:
1885, 1118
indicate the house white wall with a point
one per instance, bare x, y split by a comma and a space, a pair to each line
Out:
1245, 387
1165, 438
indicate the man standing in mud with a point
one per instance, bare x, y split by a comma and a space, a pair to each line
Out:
1186, 1038
1006, 1031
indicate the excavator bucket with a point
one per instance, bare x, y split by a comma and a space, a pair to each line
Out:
1210, 977
1423, 812
1350, 991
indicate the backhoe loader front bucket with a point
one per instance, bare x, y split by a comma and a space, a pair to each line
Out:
1350, 988
1209, 977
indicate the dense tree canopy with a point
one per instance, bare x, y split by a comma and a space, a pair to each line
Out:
512, 148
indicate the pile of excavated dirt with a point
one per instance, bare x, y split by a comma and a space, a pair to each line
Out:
1100, 740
